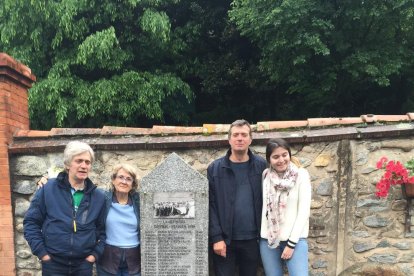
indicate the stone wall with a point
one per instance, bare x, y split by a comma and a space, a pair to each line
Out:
349, 225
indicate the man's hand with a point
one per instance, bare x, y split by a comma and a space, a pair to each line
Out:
45, 258
220, 248
91, 258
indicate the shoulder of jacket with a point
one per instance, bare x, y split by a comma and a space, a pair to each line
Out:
135, 195
106, 193
216, 162
303, 174
303, 171
52, 184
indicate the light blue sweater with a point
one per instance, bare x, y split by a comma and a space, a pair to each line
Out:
121, 226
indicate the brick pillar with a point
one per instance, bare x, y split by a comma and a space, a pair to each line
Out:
15, 80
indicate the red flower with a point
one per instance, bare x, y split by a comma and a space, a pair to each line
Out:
395, 173
380, 163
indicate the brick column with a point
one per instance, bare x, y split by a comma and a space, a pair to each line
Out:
15, 80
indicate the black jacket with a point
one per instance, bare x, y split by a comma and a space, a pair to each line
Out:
222, 190
49, 222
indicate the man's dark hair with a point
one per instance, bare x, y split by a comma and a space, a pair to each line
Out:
240, 123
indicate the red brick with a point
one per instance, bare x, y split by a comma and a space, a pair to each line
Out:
4, 154
6, 230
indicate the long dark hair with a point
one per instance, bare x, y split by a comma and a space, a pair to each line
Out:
276, 143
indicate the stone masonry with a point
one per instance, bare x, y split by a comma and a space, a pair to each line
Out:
348, 223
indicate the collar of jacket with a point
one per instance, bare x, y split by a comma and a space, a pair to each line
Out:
226, 162
63, 182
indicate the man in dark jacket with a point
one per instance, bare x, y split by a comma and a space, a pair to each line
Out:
235, 204
64, 225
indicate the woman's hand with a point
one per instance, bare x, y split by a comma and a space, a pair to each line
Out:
287, 253
42, 181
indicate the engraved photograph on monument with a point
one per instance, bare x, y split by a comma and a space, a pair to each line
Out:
174, 220
174, 205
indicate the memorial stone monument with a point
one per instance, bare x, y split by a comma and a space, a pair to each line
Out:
174, 220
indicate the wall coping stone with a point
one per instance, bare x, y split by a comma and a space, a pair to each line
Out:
116, 138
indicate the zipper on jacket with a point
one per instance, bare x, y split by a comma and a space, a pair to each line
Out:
73, 223
73, 214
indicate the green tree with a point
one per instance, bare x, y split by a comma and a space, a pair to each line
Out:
97, 62
333, 58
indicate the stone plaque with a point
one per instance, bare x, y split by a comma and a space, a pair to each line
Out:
174, 220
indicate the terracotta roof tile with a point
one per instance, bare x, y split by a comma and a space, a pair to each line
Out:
369, 118
319, 122
393, 118
176, 130
74, 131
32, 133
218, 129
113, 130
263, 126
215, 128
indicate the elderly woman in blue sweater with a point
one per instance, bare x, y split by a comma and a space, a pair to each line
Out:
122, 255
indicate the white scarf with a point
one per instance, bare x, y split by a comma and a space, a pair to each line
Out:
277, 193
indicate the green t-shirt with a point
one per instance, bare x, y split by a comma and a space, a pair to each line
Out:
77, 198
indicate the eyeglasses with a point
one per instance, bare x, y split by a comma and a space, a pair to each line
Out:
125, 179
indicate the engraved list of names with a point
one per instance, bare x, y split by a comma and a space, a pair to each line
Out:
174, 220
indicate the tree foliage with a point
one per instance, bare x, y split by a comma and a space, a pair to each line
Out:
341, 57
87, 56
140, 62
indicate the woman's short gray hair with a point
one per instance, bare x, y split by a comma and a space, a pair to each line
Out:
128, 169
75, 148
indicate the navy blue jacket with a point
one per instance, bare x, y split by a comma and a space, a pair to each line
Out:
222, 191
49, 222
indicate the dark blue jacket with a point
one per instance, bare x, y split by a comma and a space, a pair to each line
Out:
49, 222
222, 191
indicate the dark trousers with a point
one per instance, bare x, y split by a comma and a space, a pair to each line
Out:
244, 254
53, 268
